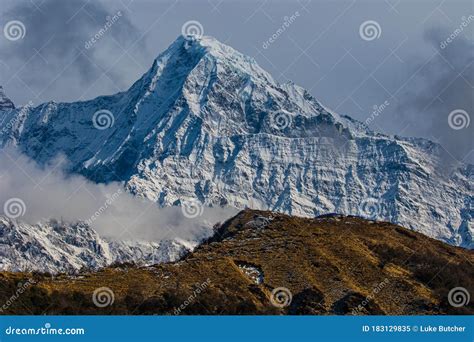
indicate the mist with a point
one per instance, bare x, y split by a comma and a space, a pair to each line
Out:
31, 193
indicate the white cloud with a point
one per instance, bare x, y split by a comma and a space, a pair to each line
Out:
49, 193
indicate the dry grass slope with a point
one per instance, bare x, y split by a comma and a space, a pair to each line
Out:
331, 265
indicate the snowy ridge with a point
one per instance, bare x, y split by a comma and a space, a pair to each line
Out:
207, 123
69, 247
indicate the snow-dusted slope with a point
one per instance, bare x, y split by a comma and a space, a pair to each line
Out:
207, 123
68, 247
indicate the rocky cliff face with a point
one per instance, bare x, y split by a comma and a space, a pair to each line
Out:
207, 123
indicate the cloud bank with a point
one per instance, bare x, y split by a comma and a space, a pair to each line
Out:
32, 193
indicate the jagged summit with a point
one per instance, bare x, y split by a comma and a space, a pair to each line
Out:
204, 69
207, 123
203, 45
207, 45
5, 102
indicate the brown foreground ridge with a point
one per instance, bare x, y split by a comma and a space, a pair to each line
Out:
267, 263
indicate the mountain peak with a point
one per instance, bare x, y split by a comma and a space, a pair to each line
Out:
206, 123
198, 71
196, 48
199, 46
5, 102
208, 45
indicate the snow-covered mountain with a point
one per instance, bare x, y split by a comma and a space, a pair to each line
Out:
56, 246
207, 123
